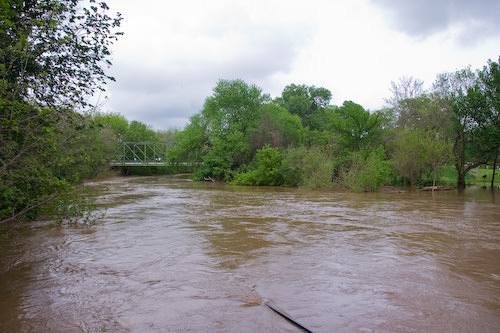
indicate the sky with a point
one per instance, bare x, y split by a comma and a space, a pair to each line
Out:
173, 53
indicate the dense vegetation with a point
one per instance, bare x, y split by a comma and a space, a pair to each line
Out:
52, 59
242, 136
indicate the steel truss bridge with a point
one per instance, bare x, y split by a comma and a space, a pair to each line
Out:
141, 154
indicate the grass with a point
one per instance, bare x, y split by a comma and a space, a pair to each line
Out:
479, 173
448, 176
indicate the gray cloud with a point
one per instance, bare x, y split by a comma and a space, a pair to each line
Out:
165, 95
476, 19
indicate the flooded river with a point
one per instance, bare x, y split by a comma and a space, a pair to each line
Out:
181, 256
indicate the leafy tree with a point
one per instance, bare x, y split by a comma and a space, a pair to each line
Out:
234, 105
409, 156
270, 170
473, 116
276, 127
407, 88
304, 101
313, 165
53, 51
229, 114
116, 122
355, 126
418, 150
191, 143
139, 132
52, 56
490, 78
365, 170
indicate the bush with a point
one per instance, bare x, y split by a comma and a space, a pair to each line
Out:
313, 166
366, 171
270, 170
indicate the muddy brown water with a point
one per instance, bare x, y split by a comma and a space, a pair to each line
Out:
181, 256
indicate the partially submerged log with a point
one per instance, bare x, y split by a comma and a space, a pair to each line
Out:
437, 188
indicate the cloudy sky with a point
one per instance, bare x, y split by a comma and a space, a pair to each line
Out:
173, 52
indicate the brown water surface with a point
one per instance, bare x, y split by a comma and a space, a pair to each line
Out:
175, 255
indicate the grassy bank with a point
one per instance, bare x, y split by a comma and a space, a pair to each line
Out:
448, 176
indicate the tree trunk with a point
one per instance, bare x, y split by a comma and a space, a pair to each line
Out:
494, 169
460, 161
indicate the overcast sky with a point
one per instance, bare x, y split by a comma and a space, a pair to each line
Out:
173, 52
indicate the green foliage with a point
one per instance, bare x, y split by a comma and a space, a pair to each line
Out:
305, 101
139, 132
116, 122
366, 170
225, 121
50, 62
276, 127
53, 51
225, 155
192, 143
233, 106
355, 126
271, 170
314, 164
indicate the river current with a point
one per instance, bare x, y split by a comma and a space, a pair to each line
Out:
175, 255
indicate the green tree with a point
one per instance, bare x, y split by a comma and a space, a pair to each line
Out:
355, 126
365, 170
53, 51
409, 155
191, 143
490, 78
305, 101
276, 127
139, 132
473, 115
229, 114
269, 170
116, 122
313, 166
418, 150
52, 56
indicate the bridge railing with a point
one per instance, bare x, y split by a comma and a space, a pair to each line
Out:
141, 154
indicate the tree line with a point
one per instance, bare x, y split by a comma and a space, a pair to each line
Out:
243, 136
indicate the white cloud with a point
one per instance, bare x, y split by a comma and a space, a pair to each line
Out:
173, 53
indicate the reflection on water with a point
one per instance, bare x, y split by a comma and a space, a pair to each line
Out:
175, 255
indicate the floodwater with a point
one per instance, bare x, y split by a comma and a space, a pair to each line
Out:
181, 256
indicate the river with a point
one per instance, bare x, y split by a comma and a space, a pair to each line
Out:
182, 256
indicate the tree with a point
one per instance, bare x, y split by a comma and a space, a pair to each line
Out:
139, 132
276, 127
269, 170
365, 170
53, 51
229, 113
116, 122
52, 56
490, 78
473, 115
304, 101
407, 88
355, 126
192, 142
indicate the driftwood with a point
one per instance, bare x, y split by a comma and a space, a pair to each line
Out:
437, 188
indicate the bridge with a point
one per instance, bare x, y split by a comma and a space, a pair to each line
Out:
141, 154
